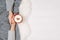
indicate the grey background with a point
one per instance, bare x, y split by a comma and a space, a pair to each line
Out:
4, 23
45, 20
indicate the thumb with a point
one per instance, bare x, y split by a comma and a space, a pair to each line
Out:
10, 13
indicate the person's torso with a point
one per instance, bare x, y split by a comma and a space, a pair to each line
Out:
4, 23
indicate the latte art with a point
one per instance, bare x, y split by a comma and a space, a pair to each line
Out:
18, 18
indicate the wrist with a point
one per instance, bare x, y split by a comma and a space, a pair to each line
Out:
13, 28
12, 25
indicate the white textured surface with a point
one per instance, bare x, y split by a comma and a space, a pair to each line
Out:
45, 20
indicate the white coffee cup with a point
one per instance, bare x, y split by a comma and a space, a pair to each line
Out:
18, 18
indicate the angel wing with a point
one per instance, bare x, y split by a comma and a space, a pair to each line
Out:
24, 10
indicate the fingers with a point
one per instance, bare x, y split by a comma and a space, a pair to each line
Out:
10, 14
11, 18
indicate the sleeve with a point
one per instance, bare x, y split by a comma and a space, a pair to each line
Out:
9, 4
16, 6
11, 35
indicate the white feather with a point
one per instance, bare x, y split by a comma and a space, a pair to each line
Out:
24, 10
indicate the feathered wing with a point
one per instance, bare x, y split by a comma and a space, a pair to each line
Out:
24, 29
24, 10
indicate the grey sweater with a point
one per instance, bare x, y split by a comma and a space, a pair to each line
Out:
4, 23
11, 35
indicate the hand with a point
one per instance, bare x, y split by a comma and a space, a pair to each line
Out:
11, 20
